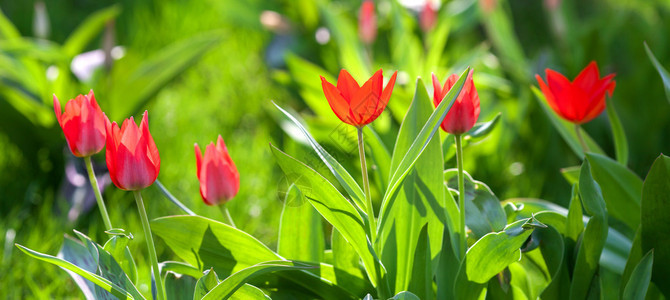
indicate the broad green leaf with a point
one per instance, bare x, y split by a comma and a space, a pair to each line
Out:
636, 288
665, 76
420, 142
418, 201
593, 238
448, 265
621, 188
465, 289
7, 30
76, 253
96, 279
655, 221
333, 207
207, 243
405, 295
571, 174
300, 229
421, 280
233, 282
346, 266
117, 247
481, 130
620, 142
343, 177
205, 284
133, 93
180, 268
552, 248
247, 292
483, 212
179, 286
89, 29
495, 251
380, 159
634, 258
566, 129
575, 223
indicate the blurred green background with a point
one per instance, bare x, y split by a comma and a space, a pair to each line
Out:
210, 67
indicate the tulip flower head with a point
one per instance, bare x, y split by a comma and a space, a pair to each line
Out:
464, 112
218, 176
367, 22
132, 156
83, 124
358, 105
581, 100
427, 16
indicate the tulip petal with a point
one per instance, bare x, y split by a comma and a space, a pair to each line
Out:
567, 102
366, 100
198, 159
152, 150
57, 110
347, 85
337, 103
113, 134
587, 78
130, 134
437, 90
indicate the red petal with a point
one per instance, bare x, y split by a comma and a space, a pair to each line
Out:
347, 85
198, 159
110, 152
365, 102
338, 104
152, 150
568, 103
57, 110
437, 90
588, 78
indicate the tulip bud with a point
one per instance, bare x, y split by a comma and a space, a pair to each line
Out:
427, 17
132, 156
367, 22
464, 112
218, 176
83, 124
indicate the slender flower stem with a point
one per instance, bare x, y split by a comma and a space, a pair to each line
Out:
461, 193
226, 214
150, 244
578, 129
173, 198
366, 187
96, 191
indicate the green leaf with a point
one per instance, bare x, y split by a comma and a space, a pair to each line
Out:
96, 279
634, 258
655, 221
117, 247
421, 279
566, 129
636, 288
233, 282
300, 229
481, 130
621, 188
575, 223
380, 159
7, 30
205, 284
405, 295
133, 93
76, 253
571, 174
89, 29
495, 251
594, 236
665, 76
483, 212
181, 268
552, 248
448, 264
179, 286
346, 266
417, 202
333, 207
306, 76
620, 142
248, 291
420, 142
341, 174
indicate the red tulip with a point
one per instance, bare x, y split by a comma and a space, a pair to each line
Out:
367, 22
218, 176
465, 110
132, 156
83, 124
427, 17
581, 100
356, 105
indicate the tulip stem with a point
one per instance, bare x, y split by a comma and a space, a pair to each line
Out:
579, 129
366, 186
173, 198
150, 244
461, 194
226, 214
96, 191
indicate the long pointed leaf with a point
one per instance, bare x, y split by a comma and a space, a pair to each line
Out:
665, 76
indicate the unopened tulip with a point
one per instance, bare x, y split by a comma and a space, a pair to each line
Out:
464, 112
132, 156
218, 176
367, 22
581, 100
356, 105
83, 124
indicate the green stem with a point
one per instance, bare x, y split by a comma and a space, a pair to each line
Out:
226, 214
173, 198
578, 130
150, 244
381, 286
96, 191
366, 187
461, 194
